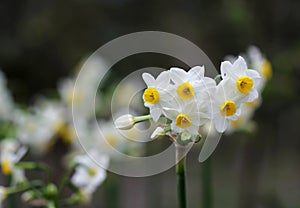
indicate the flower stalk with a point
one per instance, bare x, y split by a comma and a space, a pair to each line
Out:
180, 172
207, 184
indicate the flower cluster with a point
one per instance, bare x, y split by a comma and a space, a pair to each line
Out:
190, 100
36, 131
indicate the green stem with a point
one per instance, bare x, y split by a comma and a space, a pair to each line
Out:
111, 192
64, 181
181, 190
206, 184
33, 185
51, 204
35, 166
73, 200
10, 198
138, 119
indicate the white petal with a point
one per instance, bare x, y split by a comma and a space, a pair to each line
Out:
209, 146
209, 82
163, 80
21, 152
220, 123
197, 71
155, 113
253, 74
148, 79
240, 66
193, 129
226, 69
170, 113
177, 75
176, 128
253, 95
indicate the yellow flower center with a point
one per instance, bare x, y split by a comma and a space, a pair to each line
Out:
266, 70
151, 96
68, 135
6, 169
244, 84
92, 172
228, 108
183, 121
185, 91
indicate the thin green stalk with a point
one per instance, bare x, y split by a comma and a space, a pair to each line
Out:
181, 189
35, 166
24, 187
10, 198
138, 119
111, 192
64, 181
207, 201
51, 204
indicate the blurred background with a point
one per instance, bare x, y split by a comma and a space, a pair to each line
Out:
43, 41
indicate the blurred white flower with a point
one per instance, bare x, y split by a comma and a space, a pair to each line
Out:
259, 62
109, 140
79, 100
11, 152
91, 171
38, 128
32, 131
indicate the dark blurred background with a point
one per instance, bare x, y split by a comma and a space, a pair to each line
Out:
43, 41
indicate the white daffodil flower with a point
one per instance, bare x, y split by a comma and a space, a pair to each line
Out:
186, 117
90, 172
259, 62
54, 115
192, 84
33, 131
39, 127
157, 93
225, 105
11, 153
245, 80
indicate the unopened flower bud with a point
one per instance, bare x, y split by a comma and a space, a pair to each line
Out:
159, 131
27, 196
185, 136
125, 122
50, 190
